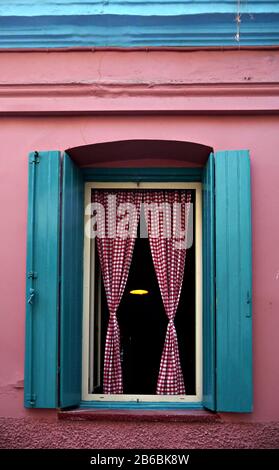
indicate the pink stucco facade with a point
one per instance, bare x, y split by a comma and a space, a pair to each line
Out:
56, 100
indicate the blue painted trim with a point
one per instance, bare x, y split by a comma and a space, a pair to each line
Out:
209, 294
142, 174
41, 350
124, 405
72, 238
132, 7
258, 28
29, 395
233, 282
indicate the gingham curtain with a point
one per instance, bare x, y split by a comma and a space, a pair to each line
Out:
169, 261
115, 255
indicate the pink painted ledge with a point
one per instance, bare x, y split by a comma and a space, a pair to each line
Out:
146, 98
185, 416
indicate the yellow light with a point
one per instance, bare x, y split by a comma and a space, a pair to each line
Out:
139, 292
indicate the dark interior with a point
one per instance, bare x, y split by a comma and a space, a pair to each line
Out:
143, 322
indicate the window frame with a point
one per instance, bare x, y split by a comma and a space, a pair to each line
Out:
87, 282
54, 289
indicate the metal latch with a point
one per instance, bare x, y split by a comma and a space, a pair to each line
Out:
31, 296
35, 158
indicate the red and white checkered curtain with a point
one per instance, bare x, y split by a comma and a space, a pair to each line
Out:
168, 257
115, 255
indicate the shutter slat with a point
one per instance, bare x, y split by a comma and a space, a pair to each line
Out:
209, 286
233, 281
71, 284
40, 384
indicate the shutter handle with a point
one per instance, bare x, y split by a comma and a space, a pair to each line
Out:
31, 296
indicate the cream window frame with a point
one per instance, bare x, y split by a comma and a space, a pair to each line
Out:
87, 308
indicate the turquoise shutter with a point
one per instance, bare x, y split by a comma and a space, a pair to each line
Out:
209, 286
71, 284
233, 281
41, 353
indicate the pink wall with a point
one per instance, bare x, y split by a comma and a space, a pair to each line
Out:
22, 133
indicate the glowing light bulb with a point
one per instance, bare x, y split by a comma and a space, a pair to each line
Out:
139, 292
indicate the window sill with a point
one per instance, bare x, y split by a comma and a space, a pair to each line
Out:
187, 416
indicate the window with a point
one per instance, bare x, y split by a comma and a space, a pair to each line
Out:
54, 290
142, 319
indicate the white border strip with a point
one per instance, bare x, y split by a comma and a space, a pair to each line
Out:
86, 298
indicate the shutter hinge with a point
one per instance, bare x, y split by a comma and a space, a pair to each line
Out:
32, 399
35, 158
32, 275
248, 302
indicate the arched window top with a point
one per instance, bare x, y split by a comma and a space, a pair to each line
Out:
190, 153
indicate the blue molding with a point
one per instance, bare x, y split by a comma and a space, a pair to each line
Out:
129, 405
142, 174
257, 28
133, 7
